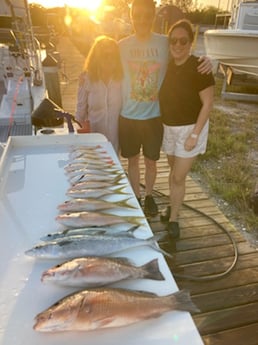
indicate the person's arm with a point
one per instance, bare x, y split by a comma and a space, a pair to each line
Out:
206, 96
81, 114
82, 100
205, 66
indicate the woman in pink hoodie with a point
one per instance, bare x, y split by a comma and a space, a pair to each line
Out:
99, 97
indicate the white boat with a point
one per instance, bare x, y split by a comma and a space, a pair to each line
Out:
237, 46
22, 82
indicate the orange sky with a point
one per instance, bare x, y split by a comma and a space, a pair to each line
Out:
223, 4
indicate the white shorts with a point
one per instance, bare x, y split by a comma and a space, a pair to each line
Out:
174, 139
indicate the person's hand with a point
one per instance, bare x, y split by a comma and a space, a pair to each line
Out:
85, 127
190, 143
205, 65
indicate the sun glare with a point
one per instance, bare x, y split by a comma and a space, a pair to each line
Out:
90, 5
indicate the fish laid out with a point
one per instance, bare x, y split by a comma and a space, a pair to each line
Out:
86, 151
91, 245
93, 232
98, 185
98, 163
97, 172
99, 271
95, 193
84, 204
86, 231
84, 219
86, 166
106, 307
84, 176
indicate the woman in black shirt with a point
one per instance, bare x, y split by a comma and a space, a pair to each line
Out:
186, 98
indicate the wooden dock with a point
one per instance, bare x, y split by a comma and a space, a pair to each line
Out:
228, 303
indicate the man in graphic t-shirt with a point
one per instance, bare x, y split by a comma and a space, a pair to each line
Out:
144, 57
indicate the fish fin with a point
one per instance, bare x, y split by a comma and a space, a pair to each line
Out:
102, 323
133, 228
152, 271
153, 243
120, 190
123, 260
135, 220
184, 302
125, 203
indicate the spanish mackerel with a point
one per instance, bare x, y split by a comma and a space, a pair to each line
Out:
86, 231
92, 245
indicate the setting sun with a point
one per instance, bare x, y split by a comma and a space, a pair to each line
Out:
85, 4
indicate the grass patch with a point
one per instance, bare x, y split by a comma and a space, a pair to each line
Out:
227, 168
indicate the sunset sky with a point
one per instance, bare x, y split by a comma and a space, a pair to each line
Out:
90, 3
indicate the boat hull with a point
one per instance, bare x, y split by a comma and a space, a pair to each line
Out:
235, 48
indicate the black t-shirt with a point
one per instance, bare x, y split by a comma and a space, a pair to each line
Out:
179, 99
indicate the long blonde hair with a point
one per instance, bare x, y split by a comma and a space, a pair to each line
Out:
97, 54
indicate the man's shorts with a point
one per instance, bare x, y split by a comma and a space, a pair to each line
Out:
174, 139
137, 134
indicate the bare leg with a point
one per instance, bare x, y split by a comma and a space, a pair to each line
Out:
150, 175
134, 174
181, 168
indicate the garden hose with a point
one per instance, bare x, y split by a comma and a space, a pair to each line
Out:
213, 276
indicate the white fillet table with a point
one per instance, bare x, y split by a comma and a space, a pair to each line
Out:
32, 184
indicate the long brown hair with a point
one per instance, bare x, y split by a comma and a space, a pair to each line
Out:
97, 54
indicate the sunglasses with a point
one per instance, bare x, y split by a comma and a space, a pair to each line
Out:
182, 41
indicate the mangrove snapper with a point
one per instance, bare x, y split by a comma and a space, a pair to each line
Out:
105, 307
99, 271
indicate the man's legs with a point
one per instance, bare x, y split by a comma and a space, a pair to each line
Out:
134, 174
150, 207
150, 175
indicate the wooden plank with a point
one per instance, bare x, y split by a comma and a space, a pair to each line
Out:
227, 318
217, 265
246, 335
204, 254
232, 297
235, 278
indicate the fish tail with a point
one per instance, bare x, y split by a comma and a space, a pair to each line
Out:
152, 271
125, 203
153, 244
135, 220
184, 302
120, 190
